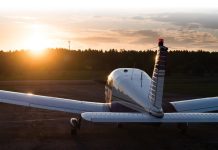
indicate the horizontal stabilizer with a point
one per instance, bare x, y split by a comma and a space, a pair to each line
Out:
147, 118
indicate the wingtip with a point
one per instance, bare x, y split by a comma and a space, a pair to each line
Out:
86, 116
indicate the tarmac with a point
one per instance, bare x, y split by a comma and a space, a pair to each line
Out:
31, 129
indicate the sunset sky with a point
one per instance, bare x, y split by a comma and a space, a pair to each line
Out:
106, 24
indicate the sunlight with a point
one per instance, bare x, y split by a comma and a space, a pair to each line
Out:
38, 41
29, 93
37, 44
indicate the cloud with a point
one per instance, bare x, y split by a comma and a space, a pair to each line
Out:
144, 33
136, 37
96, 40
184, 38
129, 31
138, 18
208, 20
193, 26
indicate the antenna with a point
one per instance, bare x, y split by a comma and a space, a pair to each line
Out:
133, 71
141, 79
69, 44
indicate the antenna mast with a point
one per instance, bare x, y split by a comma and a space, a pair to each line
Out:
69, 45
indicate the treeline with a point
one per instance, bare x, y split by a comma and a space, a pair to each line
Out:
61, 60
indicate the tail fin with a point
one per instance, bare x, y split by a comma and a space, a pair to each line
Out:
157, 83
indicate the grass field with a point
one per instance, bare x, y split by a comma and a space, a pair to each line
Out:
192, 85
178, 84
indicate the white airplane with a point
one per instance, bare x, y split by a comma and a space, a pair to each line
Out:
131, 97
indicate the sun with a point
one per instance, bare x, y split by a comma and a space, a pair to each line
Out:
37, 41
37, 44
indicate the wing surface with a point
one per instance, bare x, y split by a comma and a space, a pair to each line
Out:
52, 103
197, 105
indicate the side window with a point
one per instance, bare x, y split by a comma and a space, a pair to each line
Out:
108, 94
110, 83
108, 90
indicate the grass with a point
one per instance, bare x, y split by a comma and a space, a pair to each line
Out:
178, 84
192, 85
57, 75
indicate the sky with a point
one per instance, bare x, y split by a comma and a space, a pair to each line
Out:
108, 24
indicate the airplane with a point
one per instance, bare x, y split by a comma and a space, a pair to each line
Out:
131, 96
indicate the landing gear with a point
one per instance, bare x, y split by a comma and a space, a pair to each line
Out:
183, 127
75, 124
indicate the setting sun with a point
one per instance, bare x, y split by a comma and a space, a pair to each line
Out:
37, 44
38, 41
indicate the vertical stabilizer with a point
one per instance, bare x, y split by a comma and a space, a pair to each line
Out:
157, 82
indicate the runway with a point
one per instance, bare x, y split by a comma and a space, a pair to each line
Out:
28, 128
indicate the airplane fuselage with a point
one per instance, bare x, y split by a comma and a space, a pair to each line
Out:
127, 90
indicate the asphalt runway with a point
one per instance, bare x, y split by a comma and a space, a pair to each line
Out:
31, 129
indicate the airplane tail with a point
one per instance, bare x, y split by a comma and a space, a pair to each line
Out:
157, 82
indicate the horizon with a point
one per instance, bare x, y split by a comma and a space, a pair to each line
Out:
133, 25
44, 53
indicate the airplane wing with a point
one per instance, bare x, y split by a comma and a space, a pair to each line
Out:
52, 103
209, 104
113, 117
